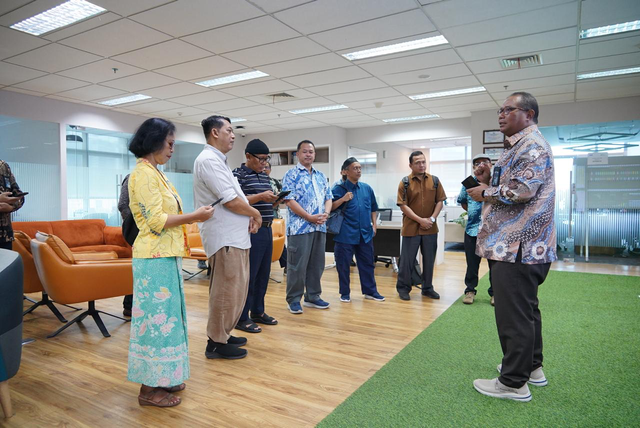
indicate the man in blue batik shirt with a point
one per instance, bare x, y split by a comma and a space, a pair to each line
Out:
309, 204
358, 202
481, 171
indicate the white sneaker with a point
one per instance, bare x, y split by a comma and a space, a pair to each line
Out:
536, 378
495, 388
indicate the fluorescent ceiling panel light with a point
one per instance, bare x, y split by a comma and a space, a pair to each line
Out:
231, 79
608, 73
237, 119
402, 119
318, 109
610, 29
60, 16
124, 100
447, 93
398, 47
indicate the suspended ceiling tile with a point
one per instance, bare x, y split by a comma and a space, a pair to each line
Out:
249, 111
268, 87
101, 71
435, 73
599, 13
51, 84
184, 17
300, 104
411, 24
16, 42
271, 6
9, 5
540, 91
407, 105
139, 82
276, 52
258, 31
601, 64
439, 85
445, 56
180, 112
466, 107
351, 86
175, 90
162, 55
551, 56
554, 99
310, 64
314, 17
528, 73
53, 57
81, 27
364, 95
11, 74
388, 101
328, 77
230, 104
201, 68
531, 84
116, 38
91, 92
128, 7
153, 106
505, 28
209, 96
609, 45
456, 100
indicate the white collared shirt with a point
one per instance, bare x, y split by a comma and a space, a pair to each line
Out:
212, 180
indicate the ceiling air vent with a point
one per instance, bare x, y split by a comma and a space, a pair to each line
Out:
521, 62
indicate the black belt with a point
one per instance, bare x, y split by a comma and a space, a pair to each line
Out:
266, 223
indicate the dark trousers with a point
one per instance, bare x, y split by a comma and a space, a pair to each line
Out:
428, 245
259, 271
473, 265
283, 257
305, 266
364, 257
127, 302
518, 318
6, 245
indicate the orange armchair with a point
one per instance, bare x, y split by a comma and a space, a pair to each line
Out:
197, 249
277, 229
73, 281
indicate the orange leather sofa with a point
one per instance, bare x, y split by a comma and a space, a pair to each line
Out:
68, 280
80, 235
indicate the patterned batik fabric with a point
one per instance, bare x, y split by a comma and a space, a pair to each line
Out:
158, 347
310, 190
519, 206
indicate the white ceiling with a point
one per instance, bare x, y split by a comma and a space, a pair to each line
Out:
161, 48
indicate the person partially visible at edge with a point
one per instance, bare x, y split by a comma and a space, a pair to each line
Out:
276, 186
225, 237
358, 228
123, 207
159, 319
8, 204
420, 202
482, 174
309, 204
518, 237
256, 186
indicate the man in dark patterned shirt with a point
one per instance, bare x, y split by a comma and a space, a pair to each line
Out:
8, 204
518, 237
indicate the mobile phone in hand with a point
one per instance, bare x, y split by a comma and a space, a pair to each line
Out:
470, 182
217, 202
281, 195
19, 194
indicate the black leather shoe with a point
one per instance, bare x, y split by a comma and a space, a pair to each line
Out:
431, 294
237, 341
223, 350
404, 296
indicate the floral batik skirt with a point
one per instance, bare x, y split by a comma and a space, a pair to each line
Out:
159, 347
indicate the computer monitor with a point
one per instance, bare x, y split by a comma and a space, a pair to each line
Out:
384, 214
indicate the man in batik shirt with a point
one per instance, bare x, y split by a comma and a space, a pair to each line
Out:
518, 237
8, 204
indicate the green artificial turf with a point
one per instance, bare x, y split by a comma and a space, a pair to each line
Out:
591, 332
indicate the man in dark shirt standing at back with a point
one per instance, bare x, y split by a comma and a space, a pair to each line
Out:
420, 197
256, 186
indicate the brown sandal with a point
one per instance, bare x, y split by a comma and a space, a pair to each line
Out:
176, 388
164, 401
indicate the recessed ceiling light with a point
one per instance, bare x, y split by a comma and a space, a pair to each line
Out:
231, 79
447, 93
608, 73
398, 47
237, 119
60, 16
318, 109
124, 100
402, 119
610, 29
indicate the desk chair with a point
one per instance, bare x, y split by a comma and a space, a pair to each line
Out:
386, 214
197, 250
277, 229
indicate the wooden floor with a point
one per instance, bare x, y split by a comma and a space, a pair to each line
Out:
295, 374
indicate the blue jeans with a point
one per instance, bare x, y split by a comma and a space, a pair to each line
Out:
259, 271
364, 259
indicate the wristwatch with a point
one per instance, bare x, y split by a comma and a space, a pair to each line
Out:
433, 220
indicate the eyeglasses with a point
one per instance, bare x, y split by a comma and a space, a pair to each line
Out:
507, 110
483, 162
262, 160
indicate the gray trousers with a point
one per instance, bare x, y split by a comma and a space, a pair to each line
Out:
428, 245
305, 265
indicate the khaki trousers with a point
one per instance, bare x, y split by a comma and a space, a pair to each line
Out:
228, 288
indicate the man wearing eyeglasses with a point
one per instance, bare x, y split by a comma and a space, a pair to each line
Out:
256, 186
518, 237
482, 174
